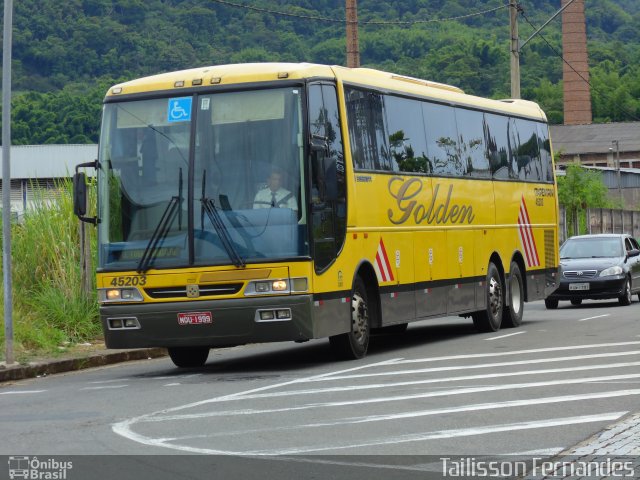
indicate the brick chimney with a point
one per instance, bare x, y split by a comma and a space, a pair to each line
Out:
577, 94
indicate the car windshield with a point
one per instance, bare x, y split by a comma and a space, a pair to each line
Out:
596, 247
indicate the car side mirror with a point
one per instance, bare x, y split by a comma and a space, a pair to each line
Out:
633, 253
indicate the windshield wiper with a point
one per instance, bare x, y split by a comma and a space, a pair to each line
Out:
214, 216
162, 229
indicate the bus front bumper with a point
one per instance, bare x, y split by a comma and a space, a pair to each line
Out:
212, 323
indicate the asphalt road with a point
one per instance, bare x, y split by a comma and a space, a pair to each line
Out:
440, 389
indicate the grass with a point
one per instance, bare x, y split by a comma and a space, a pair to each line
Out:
50, 309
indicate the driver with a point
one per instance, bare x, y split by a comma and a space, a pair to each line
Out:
275, 196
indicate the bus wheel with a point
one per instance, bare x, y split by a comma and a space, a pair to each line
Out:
490, 319
512, 316
353, 344
188, 357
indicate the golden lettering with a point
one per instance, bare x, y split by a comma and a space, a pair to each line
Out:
440, 211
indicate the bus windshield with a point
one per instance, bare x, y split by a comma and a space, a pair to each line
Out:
209, 180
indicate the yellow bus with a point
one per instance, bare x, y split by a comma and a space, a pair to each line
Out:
273, 202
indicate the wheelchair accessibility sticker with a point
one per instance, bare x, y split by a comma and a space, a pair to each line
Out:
179, 109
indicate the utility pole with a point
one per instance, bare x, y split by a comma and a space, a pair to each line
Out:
515, 49
617, 160
353, 50
6, 180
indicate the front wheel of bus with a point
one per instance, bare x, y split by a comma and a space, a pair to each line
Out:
353, 344
490, 319
188, 357
512, 316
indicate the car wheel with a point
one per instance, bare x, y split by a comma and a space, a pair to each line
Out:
551, 303
188, 357
353, 344
625, 299
490, 319
512, 316
576, 301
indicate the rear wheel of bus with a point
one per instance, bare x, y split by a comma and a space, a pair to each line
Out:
188, 357
490, 319
512, 315
353, 344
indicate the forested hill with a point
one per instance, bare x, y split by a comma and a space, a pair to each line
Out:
67, 53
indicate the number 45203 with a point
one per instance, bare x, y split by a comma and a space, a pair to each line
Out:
129, 281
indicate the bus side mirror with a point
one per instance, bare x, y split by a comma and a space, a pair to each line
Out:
80, 194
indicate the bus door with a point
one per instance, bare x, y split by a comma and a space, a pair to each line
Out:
327, 176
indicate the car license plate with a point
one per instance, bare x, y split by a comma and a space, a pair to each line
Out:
578, 286
194, 318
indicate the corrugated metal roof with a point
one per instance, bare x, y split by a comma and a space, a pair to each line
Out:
49, 161
629, 177
595, 138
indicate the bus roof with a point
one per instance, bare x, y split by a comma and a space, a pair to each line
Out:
205, 77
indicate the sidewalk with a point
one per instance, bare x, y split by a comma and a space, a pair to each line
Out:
612, 453
78, 360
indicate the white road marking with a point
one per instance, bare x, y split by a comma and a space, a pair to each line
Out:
21, 392
453, 433
591, 318
371, 400
479, 366
105, 387
476, 407
515, 352
114, 380
507, 335
121, 429
126, 427
176, 377
421, 413
547, 452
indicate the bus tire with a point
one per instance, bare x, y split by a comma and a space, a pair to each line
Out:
188, 357
490, 319
354, 344
512, 316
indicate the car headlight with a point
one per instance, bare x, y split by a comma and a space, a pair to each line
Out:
607, 272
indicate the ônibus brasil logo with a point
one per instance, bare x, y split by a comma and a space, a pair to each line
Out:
38, 469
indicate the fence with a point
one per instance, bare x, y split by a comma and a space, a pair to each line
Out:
600, 220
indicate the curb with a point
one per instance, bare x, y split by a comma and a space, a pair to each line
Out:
43, 368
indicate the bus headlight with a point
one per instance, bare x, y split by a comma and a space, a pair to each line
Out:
265, 287
108, 295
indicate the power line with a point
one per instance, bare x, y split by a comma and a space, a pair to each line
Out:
621, 107
366, 22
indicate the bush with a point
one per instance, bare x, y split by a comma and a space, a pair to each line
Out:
50, 307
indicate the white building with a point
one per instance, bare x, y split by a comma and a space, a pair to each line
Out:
39, 166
